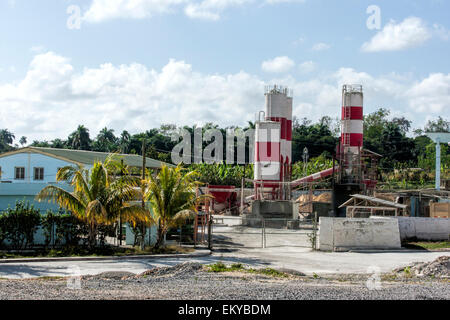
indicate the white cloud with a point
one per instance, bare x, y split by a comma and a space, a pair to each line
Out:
284, 1
102, 10
211, 9
410, 33
307, 66
299, 41
441, 31
54, 98
278, 65
431, 94
321, 46
37, 49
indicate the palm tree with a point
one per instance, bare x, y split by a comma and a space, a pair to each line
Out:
97, 197
79, 139
58, 143
23, 141
106, 140
124, 142
172, 196
6, 136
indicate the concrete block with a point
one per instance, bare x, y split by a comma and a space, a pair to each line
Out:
427, 229
342, 234
326, 234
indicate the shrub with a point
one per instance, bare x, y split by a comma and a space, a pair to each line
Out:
2, 229
20, 224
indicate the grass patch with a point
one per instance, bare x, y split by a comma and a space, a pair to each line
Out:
80, 251
269, 272
50, 278
428, 245
221, 267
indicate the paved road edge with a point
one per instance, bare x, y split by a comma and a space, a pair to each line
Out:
197, 254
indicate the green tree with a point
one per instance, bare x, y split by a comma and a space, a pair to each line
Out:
97, 198
6, 139
79, 139
172, 196
124, 142
59, 144
438, 125
23, 141
105, 141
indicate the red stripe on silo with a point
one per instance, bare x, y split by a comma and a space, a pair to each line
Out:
289, 130
356, 139
267, 151
284, 133
356, 113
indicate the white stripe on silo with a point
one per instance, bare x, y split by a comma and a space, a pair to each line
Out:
353, 126
268, 131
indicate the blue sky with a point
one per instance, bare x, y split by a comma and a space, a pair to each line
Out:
185, 61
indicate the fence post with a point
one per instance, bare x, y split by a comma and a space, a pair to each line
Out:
210, 222
315, 231
265, 242
263, 233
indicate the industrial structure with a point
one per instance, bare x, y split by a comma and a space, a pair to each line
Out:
273, 146
355, 169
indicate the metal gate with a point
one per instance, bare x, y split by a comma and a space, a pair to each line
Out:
233, 233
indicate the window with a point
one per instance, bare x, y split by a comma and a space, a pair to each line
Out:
19, 173
38, 173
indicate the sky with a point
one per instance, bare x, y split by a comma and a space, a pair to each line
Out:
137, 64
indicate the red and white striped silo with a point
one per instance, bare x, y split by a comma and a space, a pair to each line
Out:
352, 130
352, 134
267, 152
277, 166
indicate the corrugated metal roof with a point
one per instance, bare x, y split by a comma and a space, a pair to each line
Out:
90, 157
377, 200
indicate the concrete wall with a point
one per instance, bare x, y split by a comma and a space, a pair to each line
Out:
341, 234
427, 229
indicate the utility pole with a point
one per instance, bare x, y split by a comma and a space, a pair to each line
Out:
120, 216
143, 200
242, 192
305, 161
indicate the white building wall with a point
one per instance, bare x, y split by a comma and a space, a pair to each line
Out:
29, 161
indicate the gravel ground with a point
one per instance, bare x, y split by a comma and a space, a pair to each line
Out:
192, 281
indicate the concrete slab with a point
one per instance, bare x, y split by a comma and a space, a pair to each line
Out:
298, 259
339, 234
